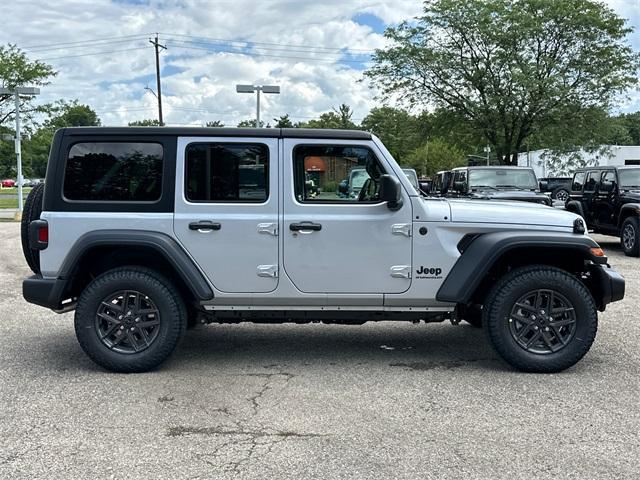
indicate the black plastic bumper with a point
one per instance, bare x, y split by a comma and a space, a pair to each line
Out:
608, 283
44, 291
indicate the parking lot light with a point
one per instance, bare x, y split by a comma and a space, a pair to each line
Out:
16, 92
258, 88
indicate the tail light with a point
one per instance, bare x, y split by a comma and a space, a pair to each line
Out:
39, 234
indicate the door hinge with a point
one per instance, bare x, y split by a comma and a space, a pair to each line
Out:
401, 271
268, 228
270, 271
401, 229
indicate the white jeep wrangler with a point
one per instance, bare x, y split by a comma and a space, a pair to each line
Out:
144, 231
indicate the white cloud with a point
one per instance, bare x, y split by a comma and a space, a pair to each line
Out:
199, 85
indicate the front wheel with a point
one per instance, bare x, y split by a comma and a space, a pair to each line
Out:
540, 319
130, 319
630, 237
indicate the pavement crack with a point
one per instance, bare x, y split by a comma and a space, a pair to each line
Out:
265, 387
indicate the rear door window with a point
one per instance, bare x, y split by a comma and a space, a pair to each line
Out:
114, 172
592, 180
227, 172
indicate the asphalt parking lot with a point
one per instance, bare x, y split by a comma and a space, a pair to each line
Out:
314, 401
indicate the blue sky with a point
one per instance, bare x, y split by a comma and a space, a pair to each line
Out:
315, 50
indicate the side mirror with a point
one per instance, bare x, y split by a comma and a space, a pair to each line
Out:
544, 185
460, 187
343, 187
390, 192
607, 187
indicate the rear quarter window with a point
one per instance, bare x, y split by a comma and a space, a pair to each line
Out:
114, 172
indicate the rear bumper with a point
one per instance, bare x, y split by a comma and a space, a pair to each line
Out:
45, 292
608, 284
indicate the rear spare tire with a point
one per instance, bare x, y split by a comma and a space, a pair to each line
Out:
32, 210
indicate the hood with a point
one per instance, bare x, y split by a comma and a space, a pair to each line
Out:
520, 195
522, 213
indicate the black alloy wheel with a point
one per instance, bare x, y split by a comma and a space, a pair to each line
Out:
542, 321
127, 322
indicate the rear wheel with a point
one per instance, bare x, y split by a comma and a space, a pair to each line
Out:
630, 237
540, 319
31, 211
561, 194
130, 319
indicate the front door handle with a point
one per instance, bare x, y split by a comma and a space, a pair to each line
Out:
204, 226
305, 226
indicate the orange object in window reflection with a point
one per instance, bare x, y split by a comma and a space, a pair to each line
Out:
314, 164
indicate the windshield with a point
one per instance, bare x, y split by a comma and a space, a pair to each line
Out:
502, 177
358, 177
629, 178
412, 176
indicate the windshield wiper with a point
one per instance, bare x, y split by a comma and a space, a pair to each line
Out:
477, 187
513, 186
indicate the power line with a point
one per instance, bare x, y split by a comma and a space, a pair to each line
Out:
82, 45
289, 57
262, 43
275, 49
91, 41
92, 53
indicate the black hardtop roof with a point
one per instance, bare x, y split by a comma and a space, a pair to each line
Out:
221, 132
492, 167
607, 167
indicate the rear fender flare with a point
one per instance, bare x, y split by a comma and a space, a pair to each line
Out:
161, 243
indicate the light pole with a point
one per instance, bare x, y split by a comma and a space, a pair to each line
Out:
16, 93
257, 89
487, 150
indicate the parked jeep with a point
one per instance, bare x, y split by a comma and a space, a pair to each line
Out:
144, 231
496, 183
557, 187
608, 198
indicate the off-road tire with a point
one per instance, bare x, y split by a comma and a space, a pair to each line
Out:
31, 211
518, 282
630, 249
165, 296
561, 194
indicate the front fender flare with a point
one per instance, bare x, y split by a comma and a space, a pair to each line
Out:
481, 255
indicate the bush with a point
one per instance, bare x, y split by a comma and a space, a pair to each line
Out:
330, 186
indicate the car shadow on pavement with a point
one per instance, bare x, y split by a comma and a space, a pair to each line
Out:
395, 344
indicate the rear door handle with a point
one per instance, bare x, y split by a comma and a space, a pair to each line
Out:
305, 226
204, 226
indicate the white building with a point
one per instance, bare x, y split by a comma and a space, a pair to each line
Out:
547, 165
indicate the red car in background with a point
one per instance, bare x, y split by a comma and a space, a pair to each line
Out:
8, 183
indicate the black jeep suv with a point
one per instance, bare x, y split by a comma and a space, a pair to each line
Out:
496, 183
608, 198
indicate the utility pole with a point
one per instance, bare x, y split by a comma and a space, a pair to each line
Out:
157, 46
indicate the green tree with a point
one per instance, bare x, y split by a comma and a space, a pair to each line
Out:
249, 123
283, 121
509, 66
147, 122
338, 118
215, 124
17, 70
434, 156
397, 128
67, 114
